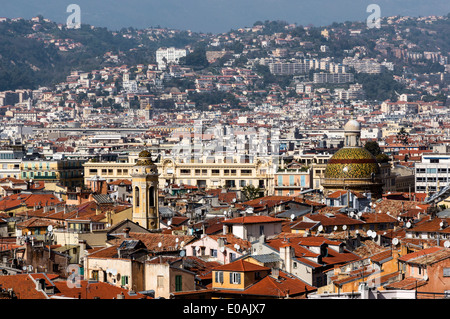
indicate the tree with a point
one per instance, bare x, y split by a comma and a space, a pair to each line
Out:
251, 192
403, 136
373, 148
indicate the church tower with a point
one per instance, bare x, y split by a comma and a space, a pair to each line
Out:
145, 192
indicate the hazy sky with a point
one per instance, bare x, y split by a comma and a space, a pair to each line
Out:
216, 15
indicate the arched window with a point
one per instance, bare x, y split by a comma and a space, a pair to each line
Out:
136, 196
151, 196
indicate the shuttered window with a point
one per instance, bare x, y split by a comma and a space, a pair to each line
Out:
178, 283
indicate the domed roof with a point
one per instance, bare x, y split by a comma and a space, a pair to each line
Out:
144, 159
352, 162
352, 125
144, 153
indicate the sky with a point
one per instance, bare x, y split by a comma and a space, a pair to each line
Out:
216, 16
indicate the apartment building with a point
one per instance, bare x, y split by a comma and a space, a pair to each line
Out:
287, 68
10, 159
433, 172
68, 173
333, 77
209, 172
164, 56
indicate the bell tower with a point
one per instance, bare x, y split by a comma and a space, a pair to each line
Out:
145, 192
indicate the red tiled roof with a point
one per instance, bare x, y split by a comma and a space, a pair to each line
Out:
252, 220
242, 266
23, 286
282, 286
88, 290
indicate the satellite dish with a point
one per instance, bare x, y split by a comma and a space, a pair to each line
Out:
182, 253
360, 214
320, 228
344, 227
352, 214
169, 223
30, 268
408, 224
292, 216
237, 246
29, 233
369, 233
176, 240
395, 241
335, 228
197, 248
182, 244
447, 244
159, 244
425, 277
222, 249
374, 235
50, 228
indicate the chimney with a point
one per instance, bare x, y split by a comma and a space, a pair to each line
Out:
82, 245
126, 231
286, 253
120, 296
275, 273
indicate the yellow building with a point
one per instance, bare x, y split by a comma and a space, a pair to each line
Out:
145, 192
205, 172
68, 173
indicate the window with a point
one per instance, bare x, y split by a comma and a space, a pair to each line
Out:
213, 252
178, 283
446, 272
218, 277
124, 280
235, 278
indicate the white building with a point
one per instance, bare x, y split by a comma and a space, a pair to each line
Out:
164, 56
433, 172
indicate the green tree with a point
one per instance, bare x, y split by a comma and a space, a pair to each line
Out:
403, 136
373, 148
251, 192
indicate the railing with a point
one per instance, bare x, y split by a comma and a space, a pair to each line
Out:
432, 295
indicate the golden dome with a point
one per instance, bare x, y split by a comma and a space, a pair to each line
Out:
352, 162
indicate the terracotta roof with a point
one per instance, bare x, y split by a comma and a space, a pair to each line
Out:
100, 290
23, 285
151, 241
282, 286
232, 240
252, 220
334, 219
406, 284
426, 256
242, 266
